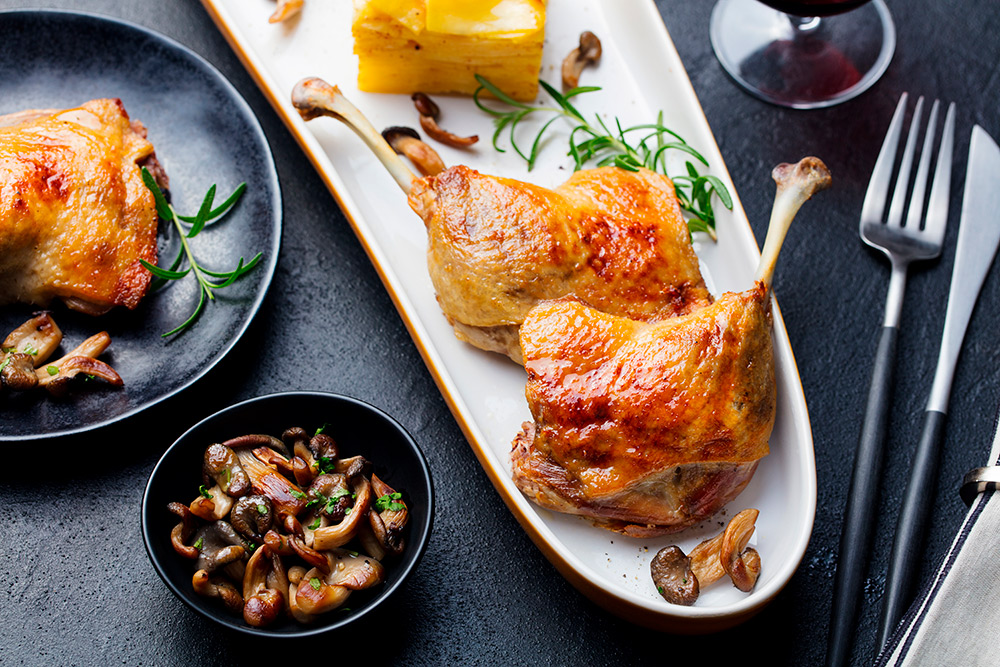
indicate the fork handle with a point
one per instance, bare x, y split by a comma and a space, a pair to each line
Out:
911, 527
859, 517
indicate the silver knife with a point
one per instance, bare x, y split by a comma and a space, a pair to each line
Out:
978, 237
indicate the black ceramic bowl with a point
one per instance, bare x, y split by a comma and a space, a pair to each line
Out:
357, 427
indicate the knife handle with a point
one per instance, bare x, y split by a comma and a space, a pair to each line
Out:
911, 527
859, 517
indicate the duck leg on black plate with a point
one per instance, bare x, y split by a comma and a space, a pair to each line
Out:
75, 216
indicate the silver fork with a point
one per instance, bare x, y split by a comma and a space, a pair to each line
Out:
902, 243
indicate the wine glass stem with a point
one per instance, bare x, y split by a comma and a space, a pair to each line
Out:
804, 24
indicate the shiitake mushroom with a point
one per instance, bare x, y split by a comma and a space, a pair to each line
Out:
238, 553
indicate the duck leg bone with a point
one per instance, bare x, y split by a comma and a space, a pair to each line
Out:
313, 97
797, 183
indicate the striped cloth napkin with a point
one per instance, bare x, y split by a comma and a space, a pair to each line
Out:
956, 621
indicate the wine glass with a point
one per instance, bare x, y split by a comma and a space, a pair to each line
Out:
804, 54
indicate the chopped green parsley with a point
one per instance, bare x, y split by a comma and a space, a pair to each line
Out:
388, 502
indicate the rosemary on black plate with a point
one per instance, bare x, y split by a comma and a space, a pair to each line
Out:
606, 146
189, 227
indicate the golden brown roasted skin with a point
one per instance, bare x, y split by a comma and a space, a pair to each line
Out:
647, 428
75, 216
496, 247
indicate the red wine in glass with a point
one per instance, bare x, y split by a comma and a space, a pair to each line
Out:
803, 54
814, 7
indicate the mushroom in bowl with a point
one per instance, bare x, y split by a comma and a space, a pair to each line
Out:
285, 529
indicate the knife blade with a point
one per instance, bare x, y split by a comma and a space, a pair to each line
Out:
978, 238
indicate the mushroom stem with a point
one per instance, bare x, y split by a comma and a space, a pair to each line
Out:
82, 359
311, 556
38, 337
332, 537
369, 542
262, 603
208, 586
797, 183
287, 497
429, 113
588, 53
741, 563
315, 596
313, 97
293, 605
278, 543
388, 522
257, 440
182, 531
406, 141
285, 10
214, 507
353, 466
705, 561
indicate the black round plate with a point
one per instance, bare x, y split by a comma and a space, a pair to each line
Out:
357, 427
204, 133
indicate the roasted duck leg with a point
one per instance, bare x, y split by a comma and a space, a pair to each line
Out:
75, 216
650, 427
496, 246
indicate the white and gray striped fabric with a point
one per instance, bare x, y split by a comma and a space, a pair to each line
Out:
956, 621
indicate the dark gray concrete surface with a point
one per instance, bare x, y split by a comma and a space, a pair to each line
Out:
76, 584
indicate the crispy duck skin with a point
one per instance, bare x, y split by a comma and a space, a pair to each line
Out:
75, 216
652, 405
647, 427
650, 427
497, 247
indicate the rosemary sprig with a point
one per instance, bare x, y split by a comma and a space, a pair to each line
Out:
195, 224
596, 142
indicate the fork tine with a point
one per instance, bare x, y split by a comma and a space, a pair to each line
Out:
920, 181
878, 186
895, 217
937, 206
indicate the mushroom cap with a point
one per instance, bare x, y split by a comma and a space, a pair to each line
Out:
18, 371
671, 571
353, 570
394, 133
222, 466
323, 446
425, 105
252, 516
219, 545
